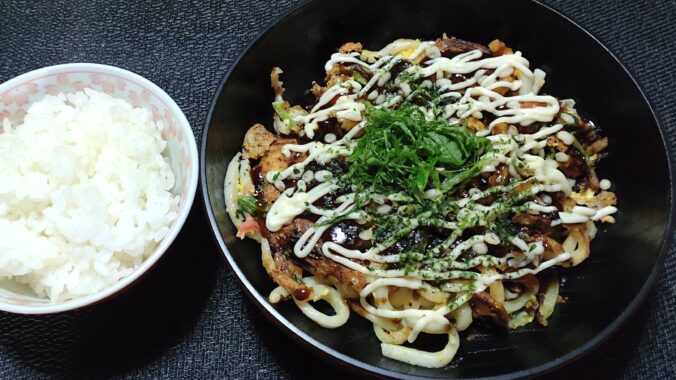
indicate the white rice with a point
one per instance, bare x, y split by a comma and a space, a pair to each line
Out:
84, 194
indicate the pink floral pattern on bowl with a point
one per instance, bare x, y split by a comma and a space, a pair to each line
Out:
16, 96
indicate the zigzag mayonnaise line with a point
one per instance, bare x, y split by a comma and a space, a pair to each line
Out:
429, 184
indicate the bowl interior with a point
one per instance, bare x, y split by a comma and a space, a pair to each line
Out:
600, 293
19, 93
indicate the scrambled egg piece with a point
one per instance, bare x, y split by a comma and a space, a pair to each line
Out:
584, 198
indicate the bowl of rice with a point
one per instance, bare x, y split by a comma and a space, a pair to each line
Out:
98, 173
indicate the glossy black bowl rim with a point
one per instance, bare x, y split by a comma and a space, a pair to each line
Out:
353, 364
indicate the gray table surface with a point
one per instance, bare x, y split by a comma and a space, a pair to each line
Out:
188, 318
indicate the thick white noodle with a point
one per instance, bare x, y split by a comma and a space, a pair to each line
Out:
278, 294
332, 297
424, 358
392, 336
230, 190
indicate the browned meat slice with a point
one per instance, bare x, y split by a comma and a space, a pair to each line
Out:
273, 159
574, 166
500, 176
557, 143
327, 268
289, 276
588, 131
349, 47
562, 202
483, 304
280, 267
286, 273
451, 46
538, 222
523, 284
257, 142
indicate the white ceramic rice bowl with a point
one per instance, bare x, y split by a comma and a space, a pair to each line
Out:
17, 94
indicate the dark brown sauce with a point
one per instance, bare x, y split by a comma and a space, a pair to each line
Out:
301, 293
399, 67
457, 78
330, 125
531, 128
349, 69
346, 233
258, 180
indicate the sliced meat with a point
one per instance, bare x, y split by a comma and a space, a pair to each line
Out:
484, 305
538, 222
562, 202
289, 276
557, 143
451, 46
588, 131
327, 268
324, 267
287, 273
500, 176
574, 166
257, 142
522, 284
280, 267
273, 159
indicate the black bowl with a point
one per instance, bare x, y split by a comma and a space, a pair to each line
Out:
626, 257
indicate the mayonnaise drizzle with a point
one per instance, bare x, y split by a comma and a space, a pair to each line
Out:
473, 96
525, 108
286, 208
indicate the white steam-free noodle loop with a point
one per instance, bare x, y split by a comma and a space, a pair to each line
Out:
278, 294
423, 358
578, 244
230, 190
392, 336
332, 297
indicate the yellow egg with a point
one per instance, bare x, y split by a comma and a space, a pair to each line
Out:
584, 197
406, 53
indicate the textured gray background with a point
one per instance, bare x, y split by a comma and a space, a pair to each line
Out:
188, 318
